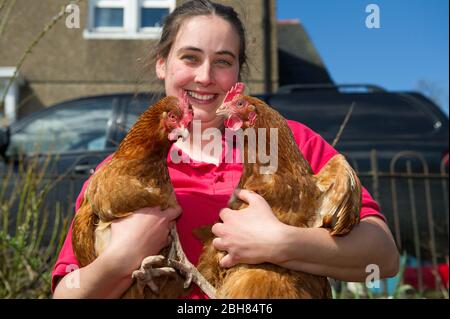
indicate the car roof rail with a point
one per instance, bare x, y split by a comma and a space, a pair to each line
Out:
328, 86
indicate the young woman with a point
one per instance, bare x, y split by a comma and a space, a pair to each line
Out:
202, 52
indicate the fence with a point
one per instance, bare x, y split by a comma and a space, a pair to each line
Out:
414, 199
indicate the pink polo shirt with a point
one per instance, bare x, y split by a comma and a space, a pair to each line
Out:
203, 189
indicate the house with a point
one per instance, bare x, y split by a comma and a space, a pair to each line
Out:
106, 50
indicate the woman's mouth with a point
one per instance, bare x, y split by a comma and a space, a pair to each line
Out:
202, 98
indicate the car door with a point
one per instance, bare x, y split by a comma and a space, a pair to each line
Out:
67, 140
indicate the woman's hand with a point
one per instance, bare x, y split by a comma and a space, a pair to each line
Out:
250, 235
143, 233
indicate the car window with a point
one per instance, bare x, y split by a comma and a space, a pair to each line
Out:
135, 107
75, 126
374, 116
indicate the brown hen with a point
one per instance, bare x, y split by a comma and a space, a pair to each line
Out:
136, 177
330, 199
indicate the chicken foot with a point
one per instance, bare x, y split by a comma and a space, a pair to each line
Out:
153, 266
177, 259
150, 269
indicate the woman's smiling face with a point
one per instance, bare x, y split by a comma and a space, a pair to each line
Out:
204, 62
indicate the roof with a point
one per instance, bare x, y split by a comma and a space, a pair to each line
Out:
299, 61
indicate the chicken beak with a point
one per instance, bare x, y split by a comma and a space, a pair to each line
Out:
223, 110
179, 132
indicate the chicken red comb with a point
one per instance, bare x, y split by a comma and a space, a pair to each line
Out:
237, 89
187, 111
184, 103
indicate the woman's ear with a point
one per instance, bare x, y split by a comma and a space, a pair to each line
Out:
161, 68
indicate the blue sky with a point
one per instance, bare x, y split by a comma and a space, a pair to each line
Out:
411, 45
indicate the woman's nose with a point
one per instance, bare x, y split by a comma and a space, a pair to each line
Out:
204, 74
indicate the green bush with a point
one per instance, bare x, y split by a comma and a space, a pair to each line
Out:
25, 261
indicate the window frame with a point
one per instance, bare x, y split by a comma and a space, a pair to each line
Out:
131, 19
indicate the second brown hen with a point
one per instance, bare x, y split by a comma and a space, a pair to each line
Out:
330, 199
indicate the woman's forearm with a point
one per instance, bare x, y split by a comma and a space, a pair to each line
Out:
314, 251
103, 278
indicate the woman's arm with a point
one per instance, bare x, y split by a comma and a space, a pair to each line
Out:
143, 233
103, 278
345, 258
254, 235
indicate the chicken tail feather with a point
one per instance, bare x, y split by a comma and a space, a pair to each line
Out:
341, 196
83, 235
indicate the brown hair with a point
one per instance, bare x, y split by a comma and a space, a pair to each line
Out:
194, 8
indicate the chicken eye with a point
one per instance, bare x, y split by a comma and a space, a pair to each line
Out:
172, 117
239, 104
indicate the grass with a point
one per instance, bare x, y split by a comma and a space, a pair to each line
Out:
25, 260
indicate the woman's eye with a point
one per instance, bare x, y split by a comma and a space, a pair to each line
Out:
189, 58
224, 62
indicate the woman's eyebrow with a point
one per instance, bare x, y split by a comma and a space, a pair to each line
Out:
225, 52
190, 49
222, 52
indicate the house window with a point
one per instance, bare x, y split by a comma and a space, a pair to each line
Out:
152, 17
108, 17
12, 96
127, 19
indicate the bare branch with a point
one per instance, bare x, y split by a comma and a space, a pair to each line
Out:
2, 4
5, 18
344, 124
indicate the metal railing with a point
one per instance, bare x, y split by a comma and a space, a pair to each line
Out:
414, 201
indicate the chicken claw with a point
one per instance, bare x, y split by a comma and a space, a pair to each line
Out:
186, 270
178, 260
150, 269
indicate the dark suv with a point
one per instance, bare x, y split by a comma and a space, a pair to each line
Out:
397, 141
